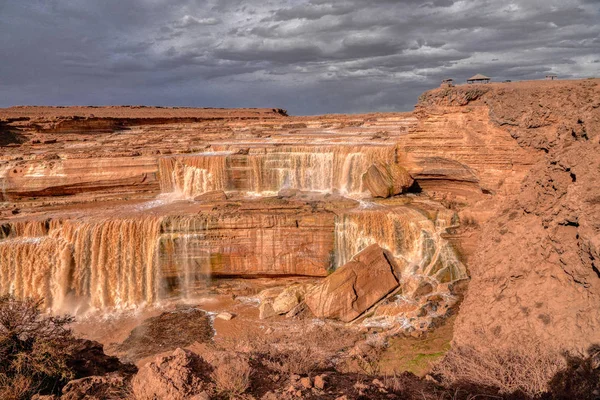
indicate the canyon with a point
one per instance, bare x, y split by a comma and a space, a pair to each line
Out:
481, 206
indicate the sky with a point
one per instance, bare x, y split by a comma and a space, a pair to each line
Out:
307, 56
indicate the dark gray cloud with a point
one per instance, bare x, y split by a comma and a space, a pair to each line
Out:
309, 56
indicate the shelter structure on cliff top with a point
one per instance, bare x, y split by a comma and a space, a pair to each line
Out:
479, 79
551, 77
448, 82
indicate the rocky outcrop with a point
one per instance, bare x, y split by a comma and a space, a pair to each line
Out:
355, 287
289, 298
178, 376
535, 274
213, 196
385, 180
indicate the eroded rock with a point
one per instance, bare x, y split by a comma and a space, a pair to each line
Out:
212, 196
385, 180
111, 386
289, 298
178, 376
266, 310
355, 287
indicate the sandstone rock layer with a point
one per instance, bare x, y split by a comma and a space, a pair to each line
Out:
355, 287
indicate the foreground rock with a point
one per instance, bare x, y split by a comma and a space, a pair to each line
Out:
355, 287
385, 180
178, 376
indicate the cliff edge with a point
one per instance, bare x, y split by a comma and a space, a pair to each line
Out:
535, 271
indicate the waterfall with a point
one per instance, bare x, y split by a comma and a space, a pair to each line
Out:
413, 239
265, 171
94, 263
191, 175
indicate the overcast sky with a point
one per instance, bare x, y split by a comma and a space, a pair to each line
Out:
308, 56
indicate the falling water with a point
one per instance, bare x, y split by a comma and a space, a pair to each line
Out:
408, 234
95, 263
266, 171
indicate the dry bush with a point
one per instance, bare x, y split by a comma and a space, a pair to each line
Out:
301, 359
306, 348
16, 387
232, 378
580, 379
526, 369
368, 362
393, 383
34, 349
294, 349
468, 221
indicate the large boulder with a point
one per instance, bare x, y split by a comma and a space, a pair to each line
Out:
385, 180
178, 376
355, 287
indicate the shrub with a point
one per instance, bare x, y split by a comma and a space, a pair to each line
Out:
301, 359
580, 379
526, 369
34, 349
232, 378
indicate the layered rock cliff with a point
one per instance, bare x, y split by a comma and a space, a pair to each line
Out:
112, 206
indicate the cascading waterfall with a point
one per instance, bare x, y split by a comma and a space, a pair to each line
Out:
266, 171
35, 267
410, 236
78, 264
183, 258
126, 260
191, 175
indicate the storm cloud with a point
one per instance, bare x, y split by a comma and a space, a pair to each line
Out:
309, 56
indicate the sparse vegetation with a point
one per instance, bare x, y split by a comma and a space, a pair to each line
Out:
301, 359
34, 349
526, 370
232, 379
468, 221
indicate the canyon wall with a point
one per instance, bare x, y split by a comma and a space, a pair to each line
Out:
535, 271
113, 206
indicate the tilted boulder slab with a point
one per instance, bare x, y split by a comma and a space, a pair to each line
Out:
355, 287
385, 180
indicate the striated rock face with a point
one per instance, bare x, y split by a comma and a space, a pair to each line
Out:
355, 287
130, 205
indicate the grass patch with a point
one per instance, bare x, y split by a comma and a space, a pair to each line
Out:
408, 354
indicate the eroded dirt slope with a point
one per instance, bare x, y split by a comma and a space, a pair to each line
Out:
536, 269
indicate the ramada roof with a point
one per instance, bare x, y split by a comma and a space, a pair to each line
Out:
478, 77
